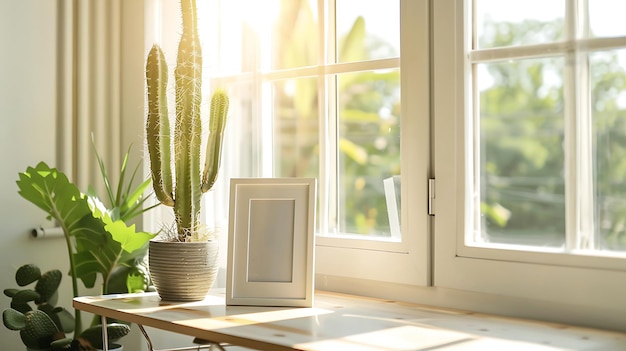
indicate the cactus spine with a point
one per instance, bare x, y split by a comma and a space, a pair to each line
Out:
190, 183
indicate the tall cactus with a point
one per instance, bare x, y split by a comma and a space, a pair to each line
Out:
185, 196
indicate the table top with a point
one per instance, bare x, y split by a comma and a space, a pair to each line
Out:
345, 322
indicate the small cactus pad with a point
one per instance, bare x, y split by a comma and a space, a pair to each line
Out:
13, 320
10, 292
48, 284
22, 307
39, 330
27, 274
114, 331
61, 344
63, 319
25, 296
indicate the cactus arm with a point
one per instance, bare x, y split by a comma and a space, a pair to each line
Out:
188, 75
219, 110
158, 126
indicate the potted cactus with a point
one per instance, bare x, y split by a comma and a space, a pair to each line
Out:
41, 324
190, 241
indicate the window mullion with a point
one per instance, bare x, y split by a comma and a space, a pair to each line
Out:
570, 161
584, 154
326, 184
578, 137
586, 200
332, 138
263, 134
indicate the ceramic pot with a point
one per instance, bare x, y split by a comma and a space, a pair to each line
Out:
183, 271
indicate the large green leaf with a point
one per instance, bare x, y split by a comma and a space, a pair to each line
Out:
100, 244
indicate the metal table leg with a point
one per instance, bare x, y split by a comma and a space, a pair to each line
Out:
210, 345
105, 336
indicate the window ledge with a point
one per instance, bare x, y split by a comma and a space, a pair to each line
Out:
448, 329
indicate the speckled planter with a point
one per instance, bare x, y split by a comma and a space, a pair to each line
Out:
183, 271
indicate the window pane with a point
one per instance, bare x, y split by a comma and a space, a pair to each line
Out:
606, 18
369, 149
367, 29
237, 38
512, 22
295, 41
296, 128
608, 101
241, 151
521, 157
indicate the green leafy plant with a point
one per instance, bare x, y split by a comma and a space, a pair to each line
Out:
99, 240
186, 140
41, 324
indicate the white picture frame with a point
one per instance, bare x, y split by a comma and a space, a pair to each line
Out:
271, 242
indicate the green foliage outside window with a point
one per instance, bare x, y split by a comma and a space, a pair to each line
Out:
522, 129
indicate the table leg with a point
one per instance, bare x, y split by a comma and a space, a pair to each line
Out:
210, 344
105, 336
145, 335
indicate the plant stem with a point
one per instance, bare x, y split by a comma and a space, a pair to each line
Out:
77, 315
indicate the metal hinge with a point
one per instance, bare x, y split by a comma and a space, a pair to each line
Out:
431, 196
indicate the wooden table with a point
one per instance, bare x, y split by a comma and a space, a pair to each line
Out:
342, 322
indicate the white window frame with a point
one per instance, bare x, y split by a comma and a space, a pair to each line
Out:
433, 266
568, 288
407, 261
578, 151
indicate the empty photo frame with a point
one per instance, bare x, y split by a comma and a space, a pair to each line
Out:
271, 242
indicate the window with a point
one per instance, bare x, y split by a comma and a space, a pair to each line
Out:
549, 113
519, 120
315, 88
534, 184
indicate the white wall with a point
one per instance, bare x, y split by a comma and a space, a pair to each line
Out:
27, 136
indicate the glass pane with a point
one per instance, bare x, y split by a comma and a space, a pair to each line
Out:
513, 22
296, 128
367, 29
606, 18
295, 38
369, 151
521, 157
231, 47
240, 152
608, 104
258, 35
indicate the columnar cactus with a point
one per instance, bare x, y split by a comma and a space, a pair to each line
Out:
185, 196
